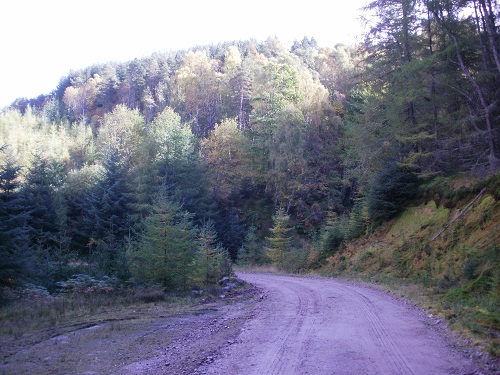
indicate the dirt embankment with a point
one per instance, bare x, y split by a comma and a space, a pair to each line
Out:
287, 325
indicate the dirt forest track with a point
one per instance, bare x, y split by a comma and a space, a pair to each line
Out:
326, 326
285, 325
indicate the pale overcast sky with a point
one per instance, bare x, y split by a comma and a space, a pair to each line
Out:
42, 40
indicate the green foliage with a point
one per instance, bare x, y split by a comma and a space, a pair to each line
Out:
14, 234
391, 190
357, 220
441, 190
331, 236
123, 130
456, 274
280, 241
252, 251
107, 217
414, 219
166, 252
82, 283
232, 131
480, 291
40, 192
231, 230
286, 156
338, 229
172, 140
78, 192
214, 262
225, 153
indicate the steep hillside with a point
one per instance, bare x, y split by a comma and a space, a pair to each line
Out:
443, 252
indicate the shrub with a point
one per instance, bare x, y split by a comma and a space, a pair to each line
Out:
86, 284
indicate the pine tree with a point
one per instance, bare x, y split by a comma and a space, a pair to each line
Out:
331, 235
391, 190
231, 230
79, 194
107, 217
14, 234
252, 251
43, 182
214, 258
280, 240
181, 172
167, 250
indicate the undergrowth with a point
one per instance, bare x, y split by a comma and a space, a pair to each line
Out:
25, 314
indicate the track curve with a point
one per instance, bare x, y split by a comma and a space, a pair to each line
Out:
309, 325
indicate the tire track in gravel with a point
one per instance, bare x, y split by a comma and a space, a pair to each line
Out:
294, 330
396, 351
310, 325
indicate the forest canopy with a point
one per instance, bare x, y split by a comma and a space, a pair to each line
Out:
165, 168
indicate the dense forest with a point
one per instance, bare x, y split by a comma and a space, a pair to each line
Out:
168, 168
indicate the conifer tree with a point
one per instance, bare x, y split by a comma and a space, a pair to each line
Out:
331, 235
43, 182
214, 258
180, 170
252, 251
167, 251
14, 235
231, 229
391, 190
107, 216
280, 240
79, 194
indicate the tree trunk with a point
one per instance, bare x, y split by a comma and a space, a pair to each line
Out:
435, 110
493, 160
489, 17
241, 125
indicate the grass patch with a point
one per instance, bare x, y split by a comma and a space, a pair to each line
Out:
415, 219
267, 268
27, 322
45, 315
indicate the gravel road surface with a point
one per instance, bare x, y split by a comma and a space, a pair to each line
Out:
283, 325
308, 325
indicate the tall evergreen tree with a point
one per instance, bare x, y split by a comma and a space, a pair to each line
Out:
280, 240
108, 216
286, 147
43, 181
79, 194
396, 50
180, 169
14, 233
215, 262
231, 229
392, 189
251, 251
167, 250
276, 90
470, 38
